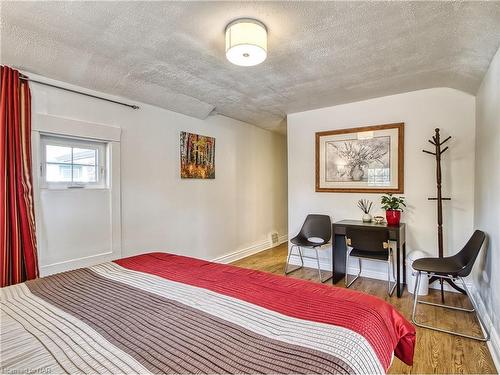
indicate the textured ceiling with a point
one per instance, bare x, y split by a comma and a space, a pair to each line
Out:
171, 54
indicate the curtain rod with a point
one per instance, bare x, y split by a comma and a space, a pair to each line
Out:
26, 78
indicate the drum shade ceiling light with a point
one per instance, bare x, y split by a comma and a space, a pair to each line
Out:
246, 42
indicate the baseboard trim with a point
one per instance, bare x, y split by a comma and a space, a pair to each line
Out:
245, 252
72, 264
282, 239
494, 342
91, 260
326, 266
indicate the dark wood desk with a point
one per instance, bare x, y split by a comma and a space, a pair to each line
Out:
339, 248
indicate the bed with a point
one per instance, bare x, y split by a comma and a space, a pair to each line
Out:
164, 313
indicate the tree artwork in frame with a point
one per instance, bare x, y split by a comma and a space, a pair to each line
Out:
367, 159
197, 156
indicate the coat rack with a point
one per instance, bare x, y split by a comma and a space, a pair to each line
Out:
436, 141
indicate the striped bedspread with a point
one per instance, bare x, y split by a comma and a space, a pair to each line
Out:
162, 313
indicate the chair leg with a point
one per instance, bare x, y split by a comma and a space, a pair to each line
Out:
474, 305
288, 260
393, 267
415, 297
319, 268
390, 266
485, 337
318, 265
346, 277
449, 306
301, 257
347, 268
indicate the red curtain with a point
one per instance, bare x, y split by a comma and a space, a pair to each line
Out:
17, 220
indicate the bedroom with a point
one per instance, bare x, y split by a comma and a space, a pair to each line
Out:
146, 135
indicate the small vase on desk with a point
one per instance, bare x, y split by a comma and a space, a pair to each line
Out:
367, 218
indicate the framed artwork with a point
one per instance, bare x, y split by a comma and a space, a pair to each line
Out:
368, 159
197, 156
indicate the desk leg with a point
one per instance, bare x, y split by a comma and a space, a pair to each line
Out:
404, 264
398, 270
339, 251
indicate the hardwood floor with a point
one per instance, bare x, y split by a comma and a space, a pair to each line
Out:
435, 352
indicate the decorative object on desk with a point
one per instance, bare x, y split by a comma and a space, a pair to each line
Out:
393, 208
378, 219
366, 207
366, 159
436, 142
197, 156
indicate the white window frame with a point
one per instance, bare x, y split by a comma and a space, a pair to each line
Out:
61, 140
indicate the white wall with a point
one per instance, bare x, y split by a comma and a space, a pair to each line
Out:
421, 111
487, 201
200, 218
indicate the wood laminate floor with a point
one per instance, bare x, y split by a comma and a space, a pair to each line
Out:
435, 352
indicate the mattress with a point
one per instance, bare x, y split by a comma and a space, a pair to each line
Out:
164, 313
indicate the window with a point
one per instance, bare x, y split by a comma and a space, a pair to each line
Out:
72, 163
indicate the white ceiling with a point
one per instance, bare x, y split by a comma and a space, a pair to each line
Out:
171, 54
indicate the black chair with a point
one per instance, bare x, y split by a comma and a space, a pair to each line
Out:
315, 232
455, 267
371, 245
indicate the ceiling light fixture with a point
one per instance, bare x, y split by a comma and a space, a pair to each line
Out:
246, 42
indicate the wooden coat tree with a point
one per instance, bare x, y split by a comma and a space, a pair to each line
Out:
436, 141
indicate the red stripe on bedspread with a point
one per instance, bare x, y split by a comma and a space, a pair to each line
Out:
382, 325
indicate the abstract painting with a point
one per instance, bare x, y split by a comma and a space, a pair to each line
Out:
197, 156
366, 159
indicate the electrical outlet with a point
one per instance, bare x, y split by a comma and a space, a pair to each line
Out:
274, 238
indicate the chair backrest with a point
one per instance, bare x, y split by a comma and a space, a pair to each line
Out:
367, 239
319, 226
467, 256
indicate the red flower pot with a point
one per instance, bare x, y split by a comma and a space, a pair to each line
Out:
393, 217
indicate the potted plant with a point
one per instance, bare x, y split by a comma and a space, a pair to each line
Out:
393, 208
366, 207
